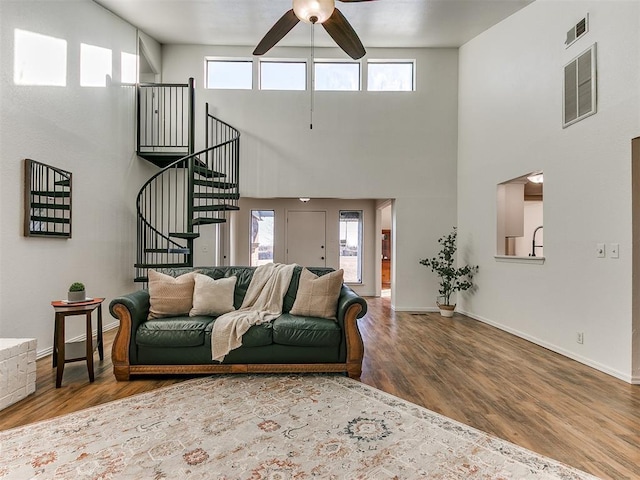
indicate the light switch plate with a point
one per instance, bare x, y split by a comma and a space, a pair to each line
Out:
614, 250
600, 251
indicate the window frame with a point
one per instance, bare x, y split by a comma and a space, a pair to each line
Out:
325, 61
398, 61
246, 60
264, 61
251, 236
360, 251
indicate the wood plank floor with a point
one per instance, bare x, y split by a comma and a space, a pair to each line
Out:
459, 367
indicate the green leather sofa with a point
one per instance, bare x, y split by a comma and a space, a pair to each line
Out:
182, 345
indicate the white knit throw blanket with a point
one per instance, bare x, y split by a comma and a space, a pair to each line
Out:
262, 303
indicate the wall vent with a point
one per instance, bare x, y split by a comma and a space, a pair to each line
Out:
577, 31
579, 99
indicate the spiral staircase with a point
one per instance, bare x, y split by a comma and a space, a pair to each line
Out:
192, 188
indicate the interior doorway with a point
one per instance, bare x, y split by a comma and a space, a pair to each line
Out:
386, 250
386, 258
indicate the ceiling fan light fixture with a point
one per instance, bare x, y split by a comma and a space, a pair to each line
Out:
307, 10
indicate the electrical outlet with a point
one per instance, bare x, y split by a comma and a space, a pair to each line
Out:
614, 250
580, 338
600, 252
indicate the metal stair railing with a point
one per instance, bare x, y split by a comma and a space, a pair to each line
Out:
215, 195
197, 189
165, 127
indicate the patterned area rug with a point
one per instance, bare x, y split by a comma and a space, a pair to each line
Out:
265, 427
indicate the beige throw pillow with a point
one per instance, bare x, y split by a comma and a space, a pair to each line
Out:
318, 296
212, 297
169, 296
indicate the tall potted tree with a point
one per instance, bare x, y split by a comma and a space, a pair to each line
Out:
452, 279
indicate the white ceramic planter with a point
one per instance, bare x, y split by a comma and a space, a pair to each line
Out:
446, 310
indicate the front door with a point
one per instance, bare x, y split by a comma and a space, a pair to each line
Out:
306, 235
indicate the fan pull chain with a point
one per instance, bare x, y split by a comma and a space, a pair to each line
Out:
313, 26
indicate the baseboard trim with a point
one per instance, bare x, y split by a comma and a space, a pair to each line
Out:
554, 348
49, 350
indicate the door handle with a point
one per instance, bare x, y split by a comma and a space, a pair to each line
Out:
321, 246
321, 258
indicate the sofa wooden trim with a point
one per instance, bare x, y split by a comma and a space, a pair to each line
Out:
122, 369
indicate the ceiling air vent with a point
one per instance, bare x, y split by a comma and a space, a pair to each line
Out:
579, 99
578, 30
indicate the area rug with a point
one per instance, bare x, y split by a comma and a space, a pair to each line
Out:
265, 427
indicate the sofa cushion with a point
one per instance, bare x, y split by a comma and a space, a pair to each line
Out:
173, 332
290, 296
256, 336
212, 297
318, 296
169, 296
306, 331
244, 276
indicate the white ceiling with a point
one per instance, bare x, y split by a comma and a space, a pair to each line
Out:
381, 23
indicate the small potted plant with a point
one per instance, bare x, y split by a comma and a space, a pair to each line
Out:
76, 292
452, 279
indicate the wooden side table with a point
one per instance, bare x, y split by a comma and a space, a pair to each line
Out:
75, 351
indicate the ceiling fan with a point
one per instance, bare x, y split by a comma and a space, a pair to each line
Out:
316, 11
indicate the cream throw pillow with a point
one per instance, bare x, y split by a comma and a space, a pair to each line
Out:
212, 297
169, 296
318, 296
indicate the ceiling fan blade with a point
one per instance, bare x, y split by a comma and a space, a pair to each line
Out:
277, 32
344, 35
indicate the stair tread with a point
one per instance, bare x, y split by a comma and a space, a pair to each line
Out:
141, 279
218, 196
65, 183
214, 184
165, 157
160, 265
184, 251
185, 235
206, 172
214, 208
208, 221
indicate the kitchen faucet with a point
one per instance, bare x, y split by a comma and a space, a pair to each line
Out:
533, 242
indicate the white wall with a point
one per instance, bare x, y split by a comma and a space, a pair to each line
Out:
363, 145
150, 53
510, 110
88, 131
386, 218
